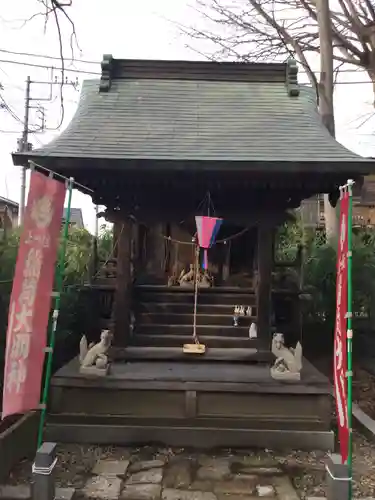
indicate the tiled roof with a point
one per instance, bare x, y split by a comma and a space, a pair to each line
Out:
198, 118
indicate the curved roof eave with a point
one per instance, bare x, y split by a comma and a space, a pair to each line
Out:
194, 121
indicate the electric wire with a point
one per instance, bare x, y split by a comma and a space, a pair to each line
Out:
85, 61
43, 56
14, 115
84, 72
45, 66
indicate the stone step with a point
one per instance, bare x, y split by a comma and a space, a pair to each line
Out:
166, 317
233, 354
166, 340
187, 297
210, 436
187, 329
208, 291
186, 308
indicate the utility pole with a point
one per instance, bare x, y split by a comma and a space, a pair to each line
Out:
23, 146
326, 110
23, 142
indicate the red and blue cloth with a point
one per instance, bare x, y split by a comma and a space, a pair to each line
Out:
207, 230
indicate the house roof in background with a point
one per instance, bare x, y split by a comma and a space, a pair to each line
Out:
11, 203
76, 217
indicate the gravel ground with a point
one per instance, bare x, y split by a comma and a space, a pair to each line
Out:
363, 384
306, 469
364, 391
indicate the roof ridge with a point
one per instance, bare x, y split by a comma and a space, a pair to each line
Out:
124, 69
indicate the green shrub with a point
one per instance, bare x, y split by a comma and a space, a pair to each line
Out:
319, 271
77, 264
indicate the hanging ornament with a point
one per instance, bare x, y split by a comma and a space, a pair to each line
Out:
207, 229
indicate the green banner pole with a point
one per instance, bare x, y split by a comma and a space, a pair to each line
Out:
349, 335
59, 278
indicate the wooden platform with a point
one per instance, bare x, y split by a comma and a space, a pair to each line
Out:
214, 354
185, 403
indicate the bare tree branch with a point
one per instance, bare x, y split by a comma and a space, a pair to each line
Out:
58, 9
266, 30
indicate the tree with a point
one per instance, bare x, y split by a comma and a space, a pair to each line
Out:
79, 252
264, 30
326, 109
57, 11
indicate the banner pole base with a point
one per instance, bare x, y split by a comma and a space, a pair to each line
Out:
338, 479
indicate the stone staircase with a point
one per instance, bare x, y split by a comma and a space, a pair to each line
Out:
157, 393
164, 317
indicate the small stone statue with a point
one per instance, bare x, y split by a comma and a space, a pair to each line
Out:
288, 364
205, 280
93, 358
253, 331
187, 279
236, 314
132, 323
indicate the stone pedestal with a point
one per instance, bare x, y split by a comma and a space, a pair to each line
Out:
94, 371
338, 478
43, 485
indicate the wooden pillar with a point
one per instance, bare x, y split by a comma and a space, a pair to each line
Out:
265, 264
121, 301
134, 251
156, 251
115, 233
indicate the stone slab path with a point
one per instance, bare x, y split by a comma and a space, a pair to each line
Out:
182, 478
152, 473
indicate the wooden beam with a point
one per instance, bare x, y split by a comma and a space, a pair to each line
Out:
265, 261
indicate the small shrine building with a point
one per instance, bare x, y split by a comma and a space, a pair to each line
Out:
157, 143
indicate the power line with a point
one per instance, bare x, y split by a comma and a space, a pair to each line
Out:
43, 56
85, 61
17, 118
44, 66
14, 115
5, 106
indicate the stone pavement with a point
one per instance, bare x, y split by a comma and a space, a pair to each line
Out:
183, 478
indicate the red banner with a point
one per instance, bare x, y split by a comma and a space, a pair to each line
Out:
30, 301
340, 347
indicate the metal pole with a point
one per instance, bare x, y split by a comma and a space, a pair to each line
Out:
57, 298
95, 259
23, 148
96, 221
349, 334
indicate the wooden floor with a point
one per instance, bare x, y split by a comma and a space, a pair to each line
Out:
223, 376
182, 403
212, 354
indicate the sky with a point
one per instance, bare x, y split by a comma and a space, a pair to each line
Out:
142, 29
